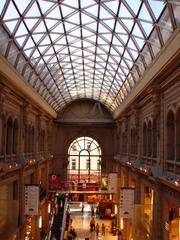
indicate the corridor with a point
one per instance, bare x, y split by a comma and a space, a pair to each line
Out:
81, 224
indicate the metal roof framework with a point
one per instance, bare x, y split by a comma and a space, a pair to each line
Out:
96, 49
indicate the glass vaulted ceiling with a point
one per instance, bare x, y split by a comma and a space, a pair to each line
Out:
67, 50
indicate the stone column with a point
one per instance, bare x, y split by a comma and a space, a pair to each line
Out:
22, 217
137, 193
157, 225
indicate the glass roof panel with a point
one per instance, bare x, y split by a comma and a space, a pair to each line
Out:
157, 7
33, 11
11, 25
46, 6
2, 5
11, 13
74, 49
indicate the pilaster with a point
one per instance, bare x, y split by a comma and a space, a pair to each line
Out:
157, 225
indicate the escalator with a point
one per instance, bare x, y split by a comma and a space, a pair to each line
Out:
58, 223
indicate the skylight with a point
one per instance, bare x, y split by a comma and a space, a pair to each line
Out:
73, 49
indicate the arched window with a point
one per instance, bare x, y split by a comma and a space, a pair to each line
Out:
154, 132
43, 140
9, 136
15, 136
170, 136
178, 135
84, 157
32, 139
26, 139
29, 139
133, 141
124, 142
145, 139
149, 140
1, 135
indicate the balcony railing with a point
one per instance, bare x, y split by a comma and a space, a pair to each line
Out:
12, 161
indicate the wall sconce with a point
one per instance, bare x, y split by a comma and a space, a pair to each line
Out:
40, 222
121, 223
177, 182
115, 209
129, 163
9, 167
110, 197
49, 207
31, 161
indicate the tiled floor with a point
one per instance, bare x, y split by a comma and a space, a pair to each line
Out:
81, 224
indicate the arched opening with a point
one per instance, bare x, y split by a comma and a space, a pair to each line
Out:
25, 139
154, 132
84, 158
32, 139
29, 139
145, 139
170, 136
1, 135
133, 141
177, 136
149, 139
15, 137
124, 142
9, 136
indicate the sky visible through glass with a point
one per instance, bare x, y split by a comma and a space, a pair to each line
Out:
67, 50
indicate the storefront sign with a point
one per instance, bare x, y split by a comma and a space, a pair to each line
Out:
126, 202
104, 182
54, 182
31, 199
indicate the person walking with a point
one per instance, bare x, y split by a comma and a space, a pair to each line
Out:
92, 210
120, 236
92, 225
97, 229
103, 229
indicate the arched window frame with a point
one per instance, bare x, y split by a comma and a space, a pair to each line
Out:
15, 136
177, 127
1, 135
9, 136
145, 139
154, 138
83, 147
170, 127
149, 139
32, 139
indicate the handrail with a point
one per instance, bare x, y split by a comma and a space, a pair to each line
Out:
62, 224
64, 218
52, 220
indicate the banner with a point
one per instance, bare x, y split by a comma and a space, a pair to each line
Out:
112, 182
31, 199
126, 202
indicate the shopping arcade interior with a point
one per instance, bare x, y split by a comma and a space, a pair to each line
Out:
26, 58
